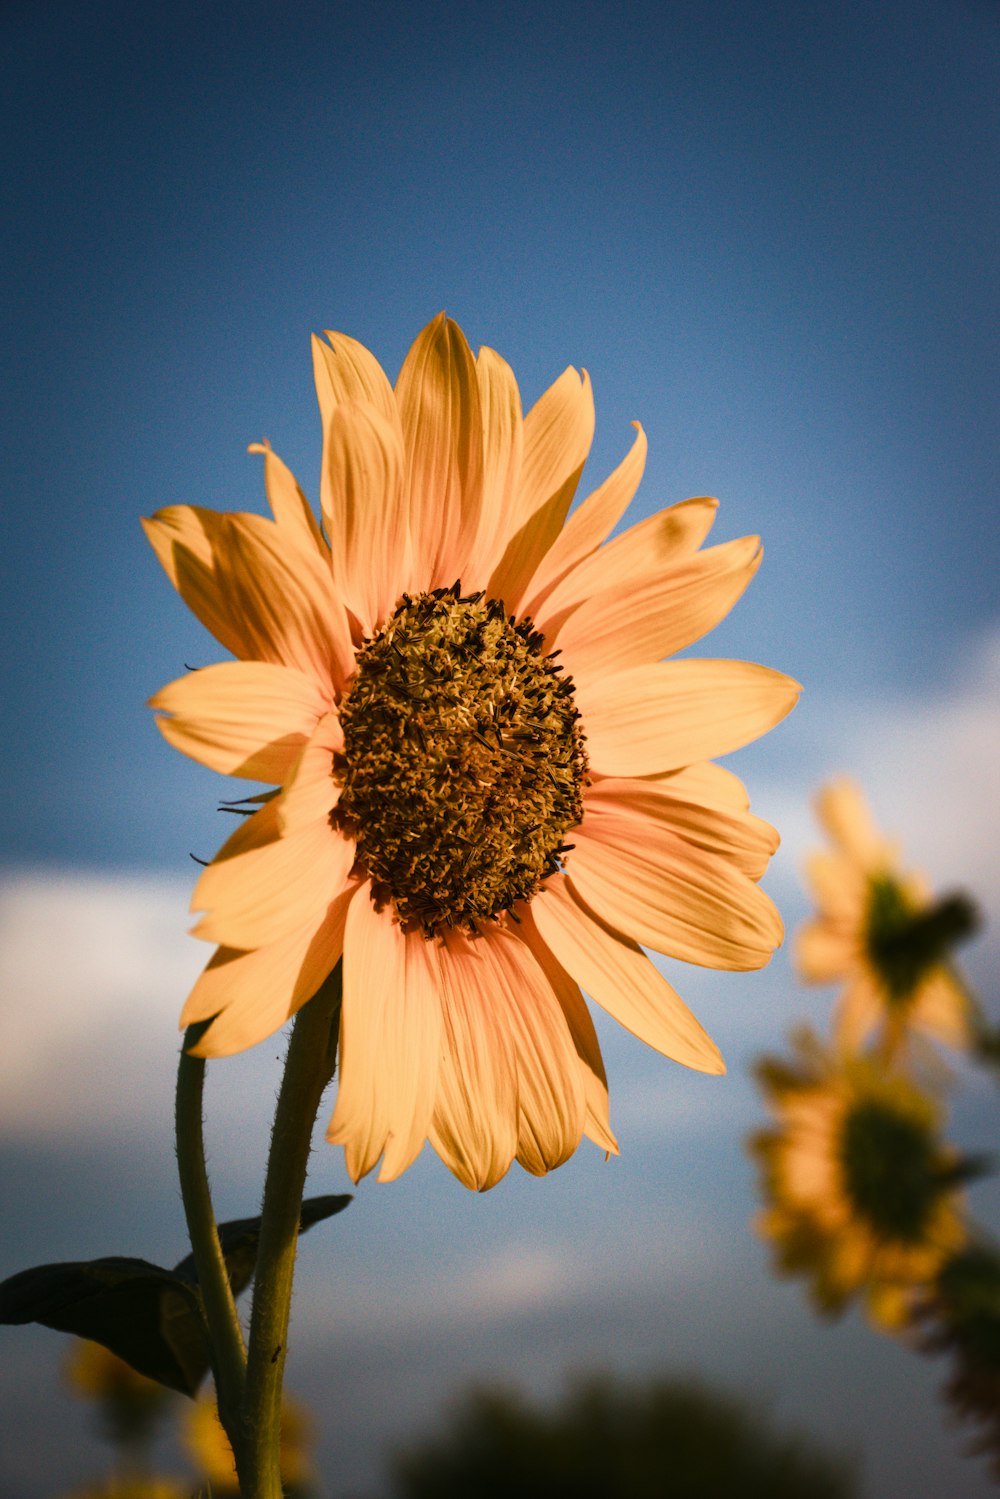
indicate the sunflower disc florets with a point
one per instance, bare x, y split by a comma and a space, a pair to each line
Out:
464, 760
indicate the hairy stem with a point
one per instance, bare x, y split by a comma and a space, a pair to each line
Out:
228, 1354
312, 1053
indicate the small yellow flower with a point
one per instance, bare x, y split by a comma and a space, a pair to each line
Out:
879, 932
95, 1373
134, 1486
209, 1449
494, 792
860, 1192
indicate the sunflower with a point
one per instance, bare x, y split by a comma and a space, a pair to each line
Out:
879, 931
209, 1448
494, 793
862, 1196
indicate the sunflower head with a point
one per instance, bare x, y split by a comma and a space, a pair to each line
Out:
861, 1194
492, 790
880, 933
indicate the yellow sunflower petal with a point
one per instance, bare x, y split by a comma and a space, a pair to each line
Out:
252, 994
711, 785
311, 792
597, 1123
558, 431
661, 717
286, 599
474, 1127
263, 884
839, 886
822, 953
439, 405
550, 1095
503, 442
844, 813
659, 542
364, 512
289, 506
618, 976
389, 1043
243, 718
345, 370
858, 1009
746, 841
588, 525
656, 615
189, 542
671, 896
942, 1007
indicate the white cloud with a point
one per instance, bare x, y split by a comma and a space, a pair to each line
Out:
93, 971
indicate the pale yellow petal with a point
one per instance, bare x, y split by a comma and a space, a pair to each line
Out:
839, 886
712, 785
661, 541
857, 1010
618, 976
822, 953
289, 506
844, 813
503, 442
439, 405
291, 612
661, 717
746, 841
474, 1127
311, 791
389, 1043
672, 897
597, 1123
263, 884
345, 370
587, 526
943, 1008
550, 1094
243, 718
190, 542
656, 615
558, 431
364, 512
252, 994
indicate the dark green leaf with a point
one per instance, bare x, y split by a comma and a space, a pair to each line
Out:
150, 1317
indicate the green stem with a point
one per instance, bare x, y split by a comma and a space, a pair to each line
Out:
228, 1354
312, 1054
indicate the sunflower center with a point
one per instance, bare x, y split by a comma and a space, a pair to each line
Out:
464, 760
903, 943
890, 1168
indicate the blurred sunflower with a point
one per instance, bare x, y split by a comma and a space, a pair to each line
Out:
879, 930
209, 1448
441, 770
861, 1194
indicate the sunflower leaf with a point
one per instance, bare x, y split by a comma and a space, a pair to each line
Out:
239, 1240
150, 1317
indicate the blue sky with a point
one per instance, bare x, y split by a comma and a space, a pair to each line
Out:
769, 233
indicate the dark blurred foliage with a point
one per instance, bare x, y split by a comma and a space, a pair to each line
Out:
668, 1439
960, 1317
